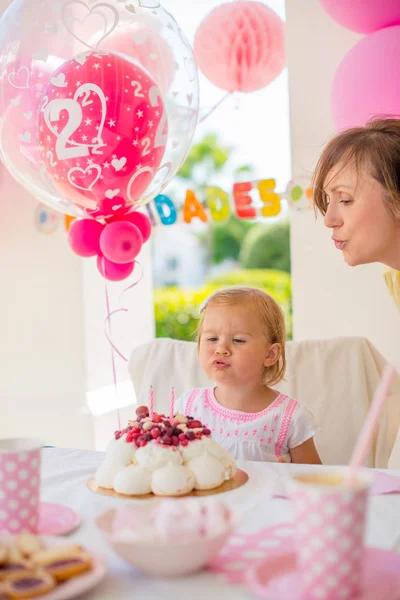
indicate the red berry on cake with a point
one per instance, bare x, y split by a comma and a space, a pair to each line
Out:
142, 411
194, 424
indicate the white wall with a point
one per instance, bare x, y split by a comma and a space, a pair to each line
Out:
329, 298
42, 376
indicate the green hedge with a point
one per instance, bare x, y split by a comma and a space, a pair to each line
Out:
267, 246
177, 311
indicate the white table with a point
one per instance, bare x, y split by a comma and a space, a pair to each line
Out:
64, 478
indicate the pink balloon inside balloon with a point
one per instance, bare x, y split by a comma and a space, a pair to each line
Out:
363, 16
366, 83
240, 46
84, 237
113, 271
142, 222
146, 47
103, 130
120, 242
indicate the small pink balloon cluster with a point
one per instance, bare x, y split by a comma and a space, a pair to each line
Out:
116, 244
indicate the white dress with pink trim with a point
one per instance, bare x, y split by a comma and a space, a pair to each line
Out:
264, 436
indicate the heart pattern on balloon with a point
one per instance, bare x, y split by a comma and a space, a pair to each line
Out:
112, 193
59, 80
19, 79
83, 29
71, 175
26, 137
118, 163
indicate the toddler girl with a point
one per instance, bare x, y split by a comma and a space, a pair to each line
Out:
241, 346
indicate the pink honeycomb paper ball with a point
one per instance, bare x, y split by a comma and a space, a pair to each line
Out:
240, 46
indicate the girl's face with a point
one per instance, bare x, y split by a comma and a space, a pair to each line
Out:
362, 227
233, 345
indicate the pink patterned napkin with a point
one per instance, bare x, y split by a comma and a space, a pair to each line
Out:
243, 550
385, 483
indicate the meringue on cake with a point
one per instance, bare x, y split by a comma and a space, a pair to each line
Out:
164, 457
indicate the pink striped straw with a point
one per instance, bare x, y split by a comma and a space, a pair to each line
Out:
371, 421
171, 405
151, 402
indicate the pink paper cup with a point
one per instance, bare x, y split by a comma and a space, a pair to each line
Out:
329, 515
20, 461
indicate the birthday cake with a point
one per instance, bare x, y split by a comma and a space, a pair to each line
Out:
164, 456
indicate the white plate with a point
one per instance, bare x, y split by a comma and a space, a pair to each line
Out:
76, 585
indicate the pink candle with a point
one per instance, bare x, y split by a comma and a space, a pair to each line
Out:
151, 402
171, 405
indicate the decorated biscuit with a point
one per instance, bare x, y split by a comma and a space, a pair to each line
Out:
28, 544
14, 563
30, 584
64, 562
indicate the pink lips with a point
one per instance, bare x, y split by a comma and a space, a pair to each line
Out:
339, 244
220, 364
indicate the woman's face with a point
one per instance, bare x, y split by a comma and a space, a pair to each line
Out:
362, 227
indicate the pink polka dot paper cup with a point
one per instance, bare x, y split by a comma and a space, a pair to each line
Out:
329, 515
20, 461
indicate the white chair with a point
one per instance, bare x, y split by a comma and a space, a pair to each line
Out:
334, 378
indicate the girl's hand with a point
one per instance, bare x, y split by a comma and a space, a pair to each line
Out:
305, 454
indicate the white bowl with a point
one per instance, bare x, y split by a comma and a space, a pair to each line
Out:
169, 559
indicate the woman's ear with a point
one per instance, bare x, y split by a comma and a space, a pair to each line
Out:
274, 354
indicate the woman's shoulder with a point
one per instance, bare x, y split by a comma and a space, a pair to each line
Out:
391, 274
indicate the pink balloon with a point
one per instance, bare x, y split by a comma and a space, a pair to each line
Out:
363, 16
84, 237
240, 46
146, 47
112, 271
105, 107
366, 83
121, 242
142, 222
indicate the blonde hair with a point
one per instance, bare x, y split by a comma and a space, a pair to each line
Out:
270, 313
375, 146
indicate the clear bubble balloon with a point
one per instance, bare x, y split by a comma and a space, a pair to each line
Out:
76, 146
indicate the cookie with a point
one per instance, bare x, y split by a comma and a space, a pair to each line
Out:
11, 568
29, 584
44, 557
3, 595
63, 562
28, 544
13, 563
14, 554
3, 554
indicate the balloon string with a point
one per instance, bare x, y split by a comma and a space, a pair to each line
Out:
108, 334
215, 107
112, 357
